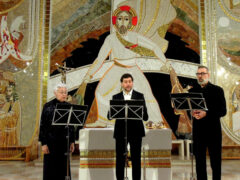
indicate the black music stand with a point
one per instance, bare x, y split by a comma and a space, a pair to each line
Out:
69, 115
126, 110
189, 102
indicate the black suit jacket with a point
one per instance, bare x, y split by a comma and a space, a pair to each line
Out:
210, 125
54, 136
135, 128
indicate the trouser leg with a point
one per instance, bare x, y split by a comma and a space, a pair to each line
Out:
200, 156
215, 153
120, 158
48, 167
135, 148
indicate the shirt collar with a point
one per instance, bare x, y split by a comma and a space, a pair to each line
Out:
128, 94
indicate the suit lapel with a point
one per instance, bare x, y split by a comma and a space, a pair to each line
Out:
134, 95
121, 95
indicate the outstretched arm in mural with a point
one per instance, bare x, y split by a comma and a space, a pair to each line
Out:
148, 43
104, 52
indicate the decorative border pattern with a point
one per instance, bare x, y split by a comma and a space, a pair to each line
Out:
98, 154
43, 66
106, 159
99, 163
203, 33
43, 6
46, 52
112, 154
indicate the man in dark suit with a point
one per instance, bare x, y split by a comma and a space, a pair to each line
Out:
135, 131
207, 133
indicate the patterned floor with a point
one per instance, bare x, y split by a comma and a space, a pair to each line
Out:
181, 170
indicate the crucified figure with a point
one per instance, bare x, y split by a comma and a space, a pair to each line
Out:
63, 69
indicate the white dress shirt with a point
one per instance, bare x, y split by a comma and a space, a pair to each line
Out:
127, 96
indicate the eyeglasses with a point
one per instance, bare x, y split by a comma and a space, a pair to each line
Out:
62, 92
202, 73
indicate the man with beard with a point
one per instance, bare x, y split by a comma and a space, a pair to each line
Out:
125, 47
207, 133
135, 131
53, 138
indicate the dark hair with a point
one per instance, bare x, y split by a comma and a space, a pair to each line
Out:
125, 76
205, 67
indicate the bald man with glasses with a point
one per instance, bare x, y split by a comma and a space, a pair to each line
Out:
207, 133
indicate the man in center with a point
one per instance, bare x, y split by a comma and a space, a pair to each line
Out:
135, 131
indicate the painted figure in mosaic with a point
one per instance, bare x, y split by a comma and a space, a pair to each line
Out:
184, 125
236, 111
207, 132
53, 138
125, 47
10, 114
9, 43
134, 138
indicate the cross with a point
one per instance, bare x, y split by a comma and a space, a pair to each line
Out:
63, 69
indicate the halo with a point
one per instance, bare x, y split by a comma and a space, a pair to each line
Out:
125, 8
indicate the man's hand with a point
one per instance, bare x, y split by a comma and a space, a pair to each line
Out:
72, 147
199, 114
45, 149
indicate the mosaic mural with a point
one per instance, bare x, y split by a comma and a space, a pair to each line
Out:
19, 70
236, 110
78, 36
227, 69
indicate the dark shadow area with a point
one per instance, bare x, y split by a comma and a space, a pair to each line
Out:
85, 55
177, 49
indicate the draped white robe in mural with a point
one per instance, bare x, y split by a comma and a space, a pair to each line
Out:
9, 44
125, 62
